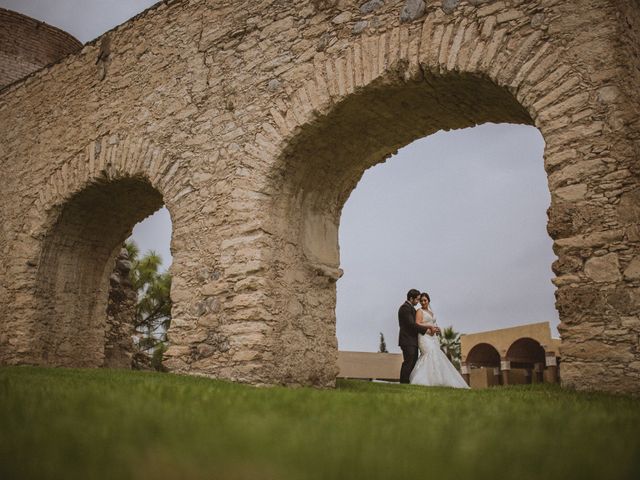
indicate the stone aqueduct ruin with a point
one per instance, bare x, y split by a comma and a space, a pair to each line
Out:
253, 121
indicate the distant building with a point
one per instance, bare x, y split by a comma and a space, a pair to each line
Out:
509, 356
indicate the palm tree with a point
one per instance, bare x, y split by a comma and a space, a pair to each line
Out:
153, 308
450, 345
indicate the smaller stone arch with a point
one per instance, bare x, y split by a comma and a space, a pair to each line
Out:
77, 259
87, 210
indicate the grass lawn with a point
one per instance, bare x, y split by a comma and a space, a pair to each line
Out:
95, 424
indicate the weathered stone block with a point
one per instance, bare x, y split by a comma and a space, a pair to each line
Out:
412, 10
595, 351
371, 6
572, 193
344, 17
632, 272
629, 207
603, 269
358, 27
448, 6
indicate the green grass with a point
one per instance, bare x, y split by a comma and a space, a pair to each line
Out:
95, 424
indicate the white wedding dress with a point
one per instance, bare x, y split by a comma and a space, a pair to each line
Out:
433, 368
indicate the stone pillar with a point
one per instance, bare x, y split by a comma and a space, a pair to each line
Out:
464, 370
505, 368
496, 376
537, 373
551, 370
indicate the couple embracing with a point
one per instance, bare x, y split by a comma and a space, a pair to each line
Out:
419, 331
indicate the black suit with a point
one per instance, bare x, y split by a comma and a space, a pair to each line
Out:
408, 339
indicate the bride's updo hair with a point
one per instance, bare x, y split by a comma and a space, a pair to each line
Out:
425, 295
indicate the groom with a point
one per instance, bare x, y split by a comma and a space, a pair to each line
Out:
408, 338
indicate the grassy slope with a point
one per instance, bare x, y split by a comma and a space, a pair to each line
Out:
58, 423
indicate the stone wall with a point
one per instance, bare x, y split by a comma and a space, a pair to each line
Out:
27, 45
252, 122
601, 343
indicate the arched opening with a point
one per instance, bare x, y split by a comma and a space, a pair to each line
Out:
460, 214
323, 165
526, 356
149, 253
77, 265
483, 355
483, 366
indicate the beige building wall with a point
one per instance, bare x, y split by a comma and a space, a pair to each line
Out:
523, 354
371, 366
484, 377
503, 338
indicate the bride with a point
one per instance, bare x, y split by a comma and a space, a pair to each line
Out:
433, 367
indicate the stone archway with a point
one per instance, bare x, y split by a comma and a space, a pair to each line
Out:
379, 94
77, 260
76, 229
325, 161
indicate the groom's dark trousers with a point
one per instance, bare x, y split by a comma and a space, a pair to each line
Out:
408, 339
410, 357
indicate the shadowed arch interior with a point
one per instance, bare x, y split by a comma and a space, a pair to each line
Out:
525, 352
323, 164
75, 265
483, 355
327, 158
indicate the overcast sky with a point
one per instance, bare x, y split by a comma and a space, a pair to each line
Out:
472, 232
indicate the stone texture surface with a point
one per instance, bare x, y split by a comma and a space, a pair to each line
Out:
632, 272
603, 269
412, 10
448, 6
371, 6
253, 122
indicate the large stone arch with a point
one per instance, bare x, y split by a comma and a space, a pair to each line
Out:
377, 93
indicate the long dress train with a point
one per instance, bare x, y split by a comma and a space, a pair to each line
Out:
433, 368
